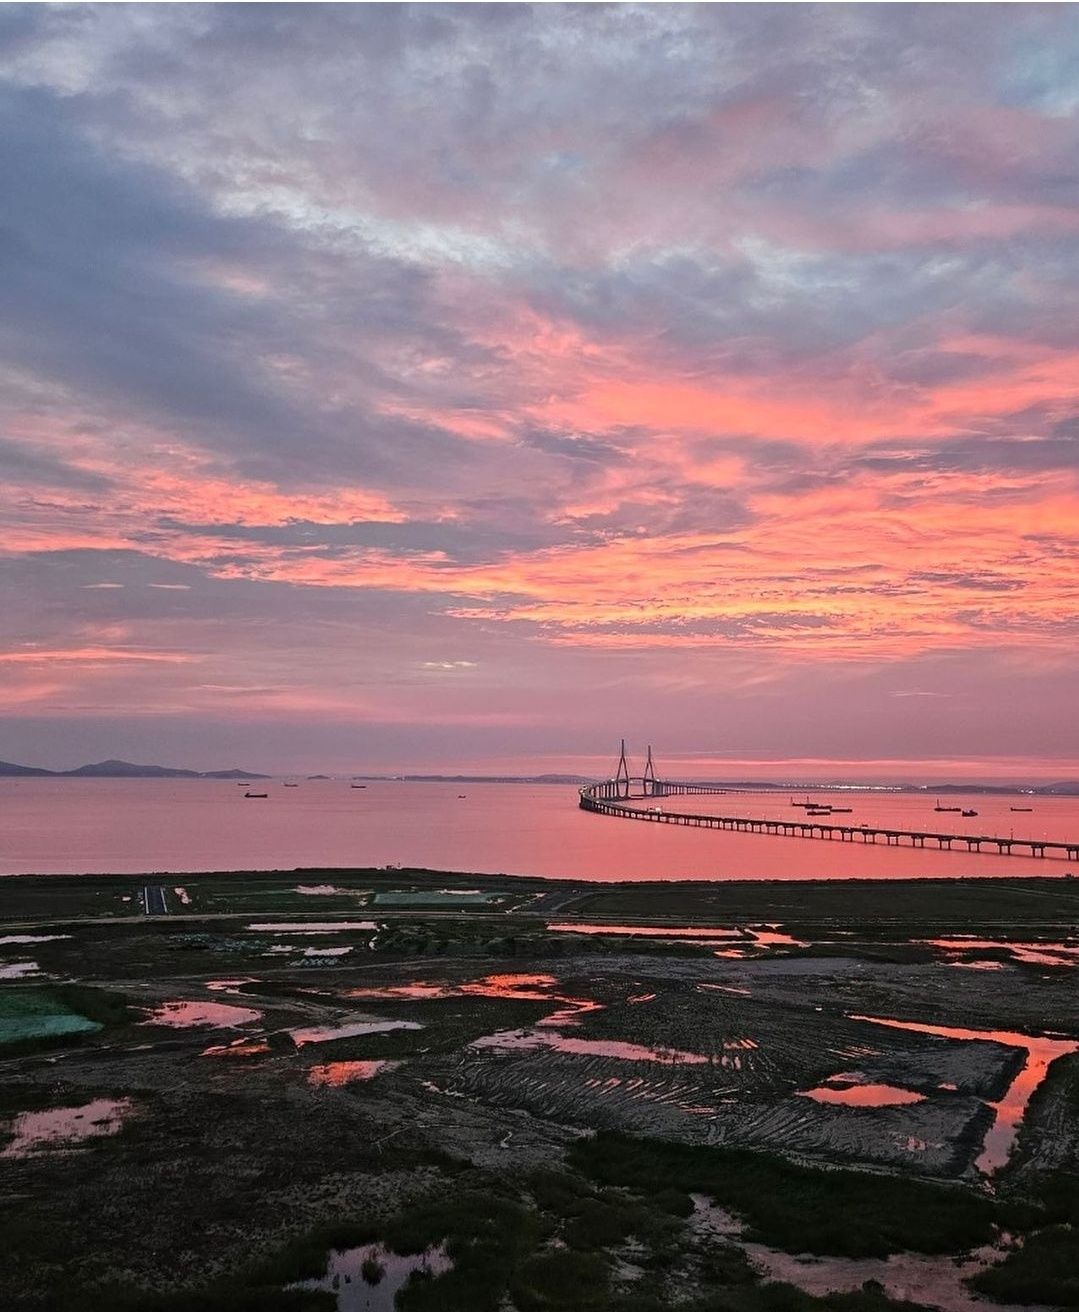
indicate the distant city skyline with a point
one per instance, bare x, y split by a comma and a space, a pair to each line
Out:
441, 389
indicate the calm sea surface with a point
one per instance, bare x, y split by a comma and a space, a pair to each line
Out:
135, 825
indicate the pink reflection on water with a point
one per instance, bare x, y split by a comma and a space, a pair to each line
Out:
520, 987
62, 1126
1000, 1138
335, 1073
187, 1015
1034, 954
865, 1095
589, 1047
349, 1030
772, 938
239, 1048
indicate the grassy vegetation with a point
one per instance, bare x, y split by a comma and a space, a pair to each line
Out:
221, 1297
795, 1208
1044, 1270
305, 1257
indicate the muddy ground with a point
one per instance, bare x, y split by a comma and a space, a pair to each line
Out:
519, 1041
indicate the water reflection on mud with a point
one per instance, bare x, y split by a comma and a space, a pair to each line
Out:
367, 1279
519, 987
335, 1073
238, 1048
187, 1015
1032, 954
864, 1095
349, 1030
61, 1127
589, 1047
1008, 1112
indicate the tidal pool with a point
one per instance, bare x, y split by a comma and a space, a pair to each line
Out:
187, 1015
1033, 954
19, 970
589, 1047
864, 1095
31, 938
336, 1073
349, 1030
356, 1292
1008, 1112
521, 987
238, 1048
930, 1281
61, 1127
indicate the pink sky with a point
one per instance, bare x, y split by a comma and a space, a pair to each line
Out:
437, 388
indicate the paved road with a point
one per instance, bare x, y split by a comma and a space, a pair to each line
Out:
153, 900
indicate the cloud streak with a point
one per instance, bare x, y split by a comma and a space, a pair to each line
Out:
432, 364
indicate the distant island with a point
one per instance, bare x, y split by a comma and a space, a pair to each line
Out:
121, 770
113, 769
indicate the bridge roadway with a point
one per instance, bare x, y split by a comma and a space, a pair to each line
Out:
615, 797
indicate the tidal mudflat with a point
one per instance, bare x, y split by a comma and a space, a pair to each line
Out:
741, 1097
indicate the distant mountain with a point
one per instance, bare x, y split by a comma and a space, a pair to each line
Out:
123, 770
8, 768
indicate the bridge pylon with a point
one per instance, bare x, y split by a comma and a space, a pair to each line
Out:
651, 784
621, 778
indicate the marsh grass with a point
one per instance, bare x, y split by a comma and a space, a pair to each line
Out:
797, 1208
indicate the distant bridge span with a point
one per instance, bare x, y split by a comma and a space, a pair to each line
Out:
617, 797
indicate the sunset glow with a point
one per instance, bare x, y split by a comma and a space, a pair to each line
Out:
404, 388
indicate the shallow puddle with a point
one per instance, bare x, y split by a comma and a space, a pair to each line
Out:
772, 938
188, 1015
19, 970
356, 1293
509, 1039
349, 1030
519, 987
31, 938
1033, 954
335, 1073
864, 1095
62, 1127
1008, 1112
239, 1048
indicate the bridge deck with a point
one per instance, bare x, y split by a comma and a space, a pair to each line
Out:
608, 798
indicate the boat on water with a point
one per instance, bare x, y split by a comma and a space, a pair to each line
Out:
818, 810
256, 794
841, 810
969, 813
357, 785
938, 807
1020, 808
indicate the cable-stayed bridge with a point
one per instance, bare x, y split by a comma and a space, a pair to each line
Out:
617, 797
